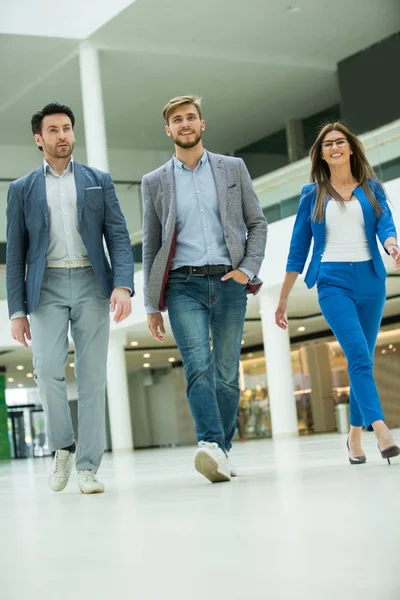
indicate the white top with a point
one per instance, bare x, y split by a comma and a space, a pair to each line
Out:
346, 239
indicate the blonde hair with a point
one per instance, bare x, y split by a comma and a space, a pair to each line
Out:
180, 101
320, 172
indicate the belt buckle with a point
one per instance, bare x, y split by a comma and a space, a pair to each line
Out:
193, 269
69, 264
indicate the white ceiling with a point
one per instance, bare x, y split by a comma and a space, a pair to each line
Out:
255, 64
73, 19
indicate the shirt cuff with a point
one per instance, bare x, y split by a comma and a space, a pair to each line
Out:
150, 310
18, 315
249, 274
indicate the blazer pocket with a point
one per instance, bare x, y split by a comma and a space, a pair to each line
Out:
94, 199
231, 187
96, 187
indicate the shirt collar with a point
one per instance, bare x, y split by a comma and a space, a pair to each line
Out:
47, 168
180, 165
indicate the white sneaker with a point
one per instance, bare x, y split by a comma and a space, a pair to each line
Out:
233, 470
61, 470
88, 483
211, 462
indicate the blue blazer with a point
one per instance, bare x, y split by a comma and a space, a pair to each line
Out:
305, 229
99, 215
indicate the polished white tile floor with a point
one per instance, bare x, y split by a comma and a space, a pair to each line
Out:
299, 522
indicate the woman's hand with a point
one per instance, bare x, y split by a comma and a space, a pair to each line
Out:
395, 254
280, 314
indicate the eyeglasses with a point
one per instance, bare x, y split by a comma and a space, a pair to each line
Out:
340, 143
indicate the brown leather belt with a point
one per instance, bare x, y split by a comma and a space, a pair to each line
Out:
203, 271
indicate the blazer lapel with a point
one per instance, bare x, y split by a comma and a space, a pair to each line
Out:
219, 173
168, 185
40, 187
80, 182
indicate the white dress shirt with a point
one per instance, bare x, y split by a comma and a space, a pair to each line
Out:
65, 241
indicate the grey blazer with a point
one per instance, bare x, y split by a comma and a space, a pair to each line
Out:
243, 223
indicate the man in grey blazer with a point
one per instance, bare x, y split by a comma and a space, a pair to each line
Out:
58, 273
204, 237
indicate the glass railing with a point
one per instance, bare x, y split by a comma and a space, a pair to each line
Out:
130, 198
279, 192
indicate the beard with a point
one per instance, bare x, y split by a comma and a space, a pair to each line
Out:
65, 151
57, 152
187, 145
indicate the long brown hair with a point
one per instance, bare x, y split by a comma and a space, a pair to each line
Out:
320, 171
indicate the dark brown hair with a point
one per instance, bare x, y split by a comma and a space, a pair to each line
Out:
320, 171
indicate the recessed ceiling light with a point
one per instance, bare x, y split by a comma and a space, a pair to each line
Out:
20, 385
242, 342
293, 9
134, 343
20, 368
146, 365
10, 380
71, 365
301, 329
147, 355
29, 375
171, 359
390, 346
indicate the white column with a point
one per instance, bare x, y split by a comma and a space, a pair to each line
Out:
118, 394
93, 110
279, 368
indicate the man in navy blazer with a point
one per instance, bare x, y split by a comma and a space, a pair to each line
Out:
59, 274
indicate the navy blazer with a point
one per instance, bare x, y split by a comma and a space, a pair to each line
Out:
305, 229
99, 215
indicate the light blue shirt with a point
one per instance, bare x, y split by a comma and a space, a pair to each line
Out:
200, 238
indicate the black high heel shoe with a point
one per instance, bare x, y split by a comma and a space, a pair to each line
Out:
356, 460
390, 452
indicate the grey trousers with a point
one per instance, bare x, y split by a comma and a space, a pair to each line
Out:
72, 297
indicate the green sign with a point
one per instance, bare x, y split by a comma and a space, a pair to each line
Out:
4, 443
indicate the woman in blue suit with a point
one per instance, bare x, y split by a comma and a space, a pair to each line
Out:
344, 210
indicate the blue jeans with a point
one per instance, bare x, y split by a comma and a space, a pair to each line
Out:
352, 299
200, 307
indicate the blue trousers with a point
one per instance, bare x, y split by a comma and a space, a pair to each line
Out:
200, 308
352, 299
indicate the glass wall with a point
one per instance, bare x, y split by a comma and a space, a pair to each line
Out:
254, 415
254, 419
